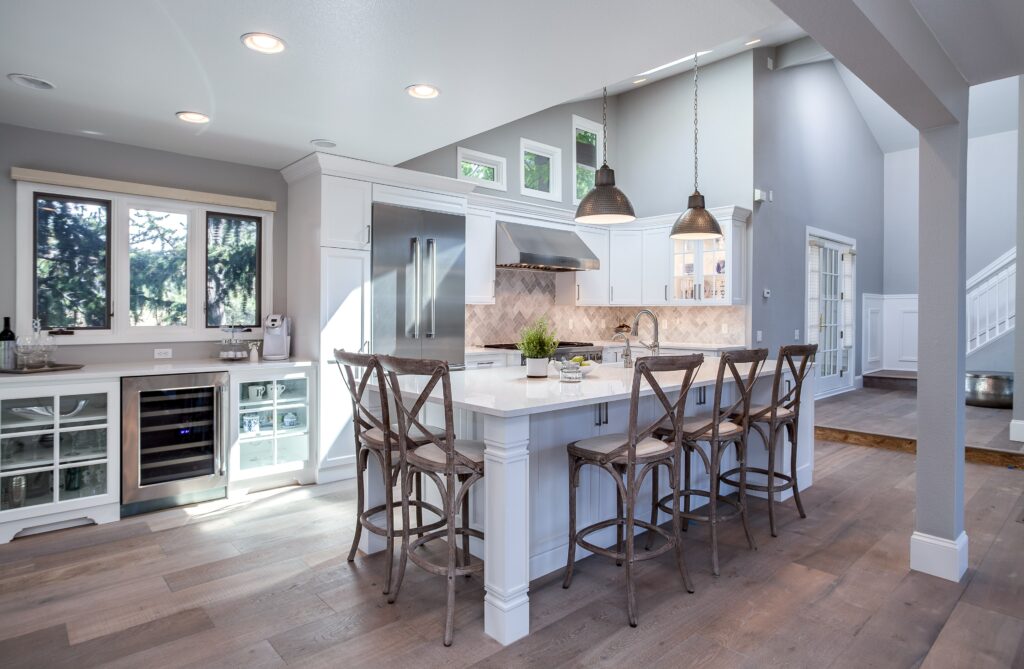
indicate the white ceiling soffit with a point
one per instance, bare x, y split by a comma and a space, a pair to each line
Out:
993, 108
124, 67
983, 38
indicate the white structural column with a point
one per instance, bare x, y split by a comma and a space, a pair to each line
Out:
1017, 424
373, 491
507, 528
939, 543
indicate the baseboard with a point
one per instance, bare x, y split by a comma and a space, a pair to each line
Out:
837, 391
940, 557
858, 381
332, 474
1017, 430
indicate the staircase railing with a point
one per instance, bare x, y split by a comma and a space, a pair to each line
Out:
990, 301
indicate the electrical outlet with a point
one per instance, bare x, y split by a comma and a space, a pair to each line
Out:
796, 335
758, 336
725, 328
163, 353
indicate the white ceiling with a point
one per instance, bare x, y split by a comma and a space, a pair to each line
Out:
993, 108
124, 67
983, 38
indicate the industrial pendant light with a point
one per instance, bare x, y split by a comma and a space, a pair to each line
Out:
605, 203
696, 222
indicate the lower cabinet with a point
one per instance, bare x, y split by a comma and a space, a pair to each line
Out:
272, 412
486, 360
59, 455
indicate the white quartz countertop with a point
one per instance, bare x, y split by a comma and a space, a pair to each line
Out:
674, 344
506, 392
150, 368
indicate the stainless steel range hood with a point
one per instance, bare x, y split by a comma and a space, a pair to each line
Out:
522, 246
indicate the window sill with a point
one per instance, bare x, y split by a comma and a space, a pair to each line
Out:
81, 338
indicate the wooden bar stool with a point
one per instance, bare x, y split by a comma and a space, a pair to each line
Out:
782, 412
619, 455
372, 432
726, 426
454, 465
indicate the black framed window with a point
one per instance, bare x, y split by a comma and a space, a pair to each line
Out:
71, 267
233, 278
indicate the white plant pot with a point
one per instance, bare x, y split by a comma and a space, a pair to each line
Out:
537, 367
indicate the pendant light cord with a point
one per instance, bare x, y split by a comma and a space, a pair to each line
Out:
695, 122
604, 125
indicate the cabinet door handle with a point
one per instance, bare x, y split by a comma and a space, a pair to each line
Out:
485, 363
597, 415
611, 293
367, 235
493, 289
666, 292
577, 292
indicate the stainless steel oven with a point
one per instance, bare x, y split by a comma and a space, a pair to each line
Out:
173, 440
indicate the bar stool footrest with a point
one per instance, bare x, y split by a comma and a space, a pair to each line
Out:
664, 504
476, 567
786, 479
608, 552
371, 526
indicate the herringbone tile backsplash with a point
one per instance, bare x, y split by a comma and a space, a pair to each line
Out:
522, 296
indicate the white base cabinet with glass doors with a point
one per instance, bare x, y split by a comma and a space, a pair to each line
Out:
270, 434
59, 455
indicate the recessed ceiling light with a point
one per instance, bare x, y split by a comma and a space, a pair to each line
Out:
422, 91
28, 81
193, 117
640, 81
323, 143
674, 62
263, 42
91, 132
753, 42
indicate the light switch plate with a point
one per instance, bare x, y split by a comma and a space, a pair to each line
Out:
163, 353
796, 335
758, 336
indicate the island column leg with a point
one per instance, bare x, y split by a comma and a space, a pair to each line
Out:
373, 491
507, 528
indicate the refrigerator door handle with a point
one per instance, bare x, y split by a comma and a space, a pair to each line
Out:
432, 250
417, 291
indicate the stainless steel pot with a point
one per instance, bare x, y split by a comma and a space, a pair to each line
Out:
989, 389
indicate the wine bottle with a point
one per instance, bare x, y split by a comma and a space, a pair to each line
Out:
7, 339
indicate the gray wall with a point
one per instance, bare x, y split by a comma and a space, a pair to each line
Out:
654, 131
23, 147
817, 155
991, 208
552, 126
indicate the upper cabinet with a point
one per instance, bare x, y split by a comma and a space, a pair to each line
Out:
345, 218
589, 288
625, 253
712, 272
480, 258
656, 270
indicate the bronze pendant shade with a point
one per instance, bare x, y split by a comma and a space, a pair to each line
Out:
696, 222
605, 203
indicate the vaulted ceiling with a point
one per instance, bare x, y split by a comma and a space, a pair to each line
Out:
122, 68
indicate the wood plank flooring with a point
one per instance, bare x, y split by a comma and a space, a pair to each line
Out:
264, 583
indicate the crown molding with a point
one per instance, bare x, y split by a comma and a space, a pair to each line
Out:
364, 170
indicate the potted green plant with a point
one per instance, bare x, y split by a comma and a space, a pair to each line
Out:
537, 344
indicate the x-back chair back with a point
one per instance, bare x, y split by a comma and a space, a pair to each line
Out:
644, 370
731, 361
799, 360
361, 372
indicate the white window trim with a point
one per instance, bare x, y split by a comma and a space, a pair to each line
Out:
120, 331
578, 122
552, 152
479, 157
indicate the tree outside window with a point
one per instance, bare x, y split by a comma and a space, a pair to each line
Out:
232, 270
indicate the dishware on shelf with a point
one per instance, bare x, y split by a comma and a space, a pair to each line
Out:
47, 411
276, 390
251, 424
256, 393
233, 347
290, 419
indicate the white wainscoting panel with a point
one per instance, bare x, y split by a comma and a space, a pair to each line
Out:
872, 319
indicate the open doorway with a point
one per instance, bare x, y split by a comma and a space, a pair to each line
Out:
831, 309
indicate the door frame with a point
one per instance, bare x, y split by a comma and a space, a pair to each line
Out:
835, 237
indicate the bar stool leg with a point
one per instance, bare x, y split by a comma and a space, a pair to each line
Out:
676, 525
772, 443
686, 498
465, 526
419, 498
716, 454
403, 559
655, 489
630, 546
570, 561
360, 502
618, 526
449, 612
742, 447
389, 519
792, 428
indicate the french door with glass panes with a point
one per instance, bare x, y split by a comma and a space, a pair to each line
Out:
830, 297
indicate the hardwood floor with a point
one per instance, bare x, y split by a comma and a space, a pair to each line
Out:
264, 583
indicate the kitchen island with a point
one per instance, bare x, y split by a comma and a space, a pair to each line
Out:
522, 502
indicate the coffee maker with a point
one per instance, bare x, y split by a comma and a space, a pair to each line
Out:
277, 339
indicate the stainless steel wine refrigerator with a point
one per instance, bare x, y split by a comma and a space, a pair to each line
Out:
173, 440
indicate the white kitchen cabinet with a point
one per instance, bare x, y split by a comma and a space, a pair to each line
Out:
346, 210
486, 360
480, 258
60, 449
656, 269
712, 272
272, 417
612, 354
344, 323
624, 255
590, 287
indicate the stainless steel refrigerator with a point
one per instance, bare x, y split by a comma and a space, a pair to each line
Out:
419, 283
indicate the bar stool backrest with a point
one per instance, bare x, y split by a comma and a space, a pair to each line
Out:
799, 360
672, 410
437, 372
357, 371
731, 360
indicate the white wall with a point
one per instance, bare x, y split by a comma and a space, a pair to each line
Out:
991, 208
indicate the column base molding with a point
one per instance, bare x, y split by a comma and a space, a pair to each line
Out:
1017, 430
938, 556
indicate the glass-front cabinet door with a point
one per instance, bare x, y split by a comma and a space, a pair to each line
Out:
713, 266
271, 425
708, 272
685, 271
56, 445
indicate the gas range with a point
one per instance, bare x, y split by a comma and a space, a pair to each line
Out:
566, 349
